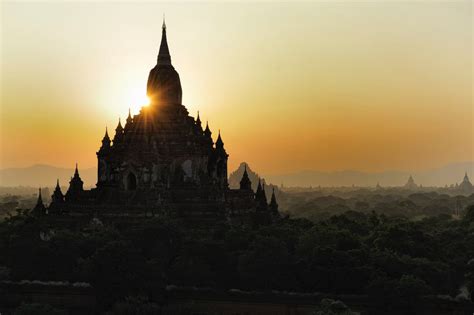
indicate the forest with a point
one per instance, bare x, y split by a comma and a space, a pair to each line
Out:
394, 261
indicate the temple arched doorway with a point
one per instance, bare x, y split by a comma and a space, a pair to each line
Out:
131, 181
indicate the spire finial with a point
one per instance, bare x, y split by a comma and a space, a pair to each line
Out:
164, 57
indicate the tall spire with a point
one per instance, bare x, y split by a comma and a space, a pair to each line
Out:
164, 58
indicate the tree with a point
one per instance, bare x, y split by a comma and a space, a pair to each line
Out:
332, 307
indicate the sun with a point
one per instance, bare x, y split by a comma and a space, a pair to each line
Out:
137, 99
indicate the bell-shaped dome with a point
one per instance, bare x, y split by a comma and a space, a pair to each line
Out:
164, 85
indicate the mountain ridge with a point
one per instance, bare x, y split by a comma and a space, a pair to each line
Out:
45, 175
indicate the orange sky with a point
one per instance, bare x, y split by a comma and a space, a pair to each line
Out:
348, 85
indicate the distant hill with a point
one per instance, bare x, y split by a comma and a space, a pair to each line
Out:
236, 176
44, 176
446, 175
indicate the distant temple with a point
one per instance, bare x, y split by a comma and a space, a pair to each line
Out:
410, 184
163, 161
465, 186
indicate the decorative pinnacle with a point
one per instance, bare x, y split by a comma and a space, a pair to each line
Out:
164, 24
119, 126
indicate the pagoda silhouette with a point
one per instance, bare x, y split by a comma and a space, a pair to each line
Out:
163, 162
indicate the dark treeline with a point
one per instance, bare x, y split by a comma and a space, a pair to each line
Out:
318, 205
392, 260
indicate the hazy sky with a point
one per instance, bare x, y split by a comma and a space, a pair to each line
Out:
315, 85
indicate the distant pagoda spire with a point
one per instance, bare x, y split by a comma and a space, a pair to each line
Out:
466, 186
273, 203
76, 186
410, 184
39, 208
57, 191
164, 58
39, 201
466, 178
56, 199
245, 183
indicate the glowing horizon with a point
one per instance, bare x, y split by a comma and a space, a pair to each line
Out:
327, 86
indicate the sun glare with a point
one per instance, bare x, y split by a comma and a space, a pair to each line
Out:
137, 101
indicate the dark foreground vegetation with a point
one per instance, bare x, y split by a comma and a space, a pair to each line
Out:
392, 260
321, 204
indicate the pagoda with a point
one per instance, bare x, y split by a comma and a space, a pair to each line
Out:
162, 160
